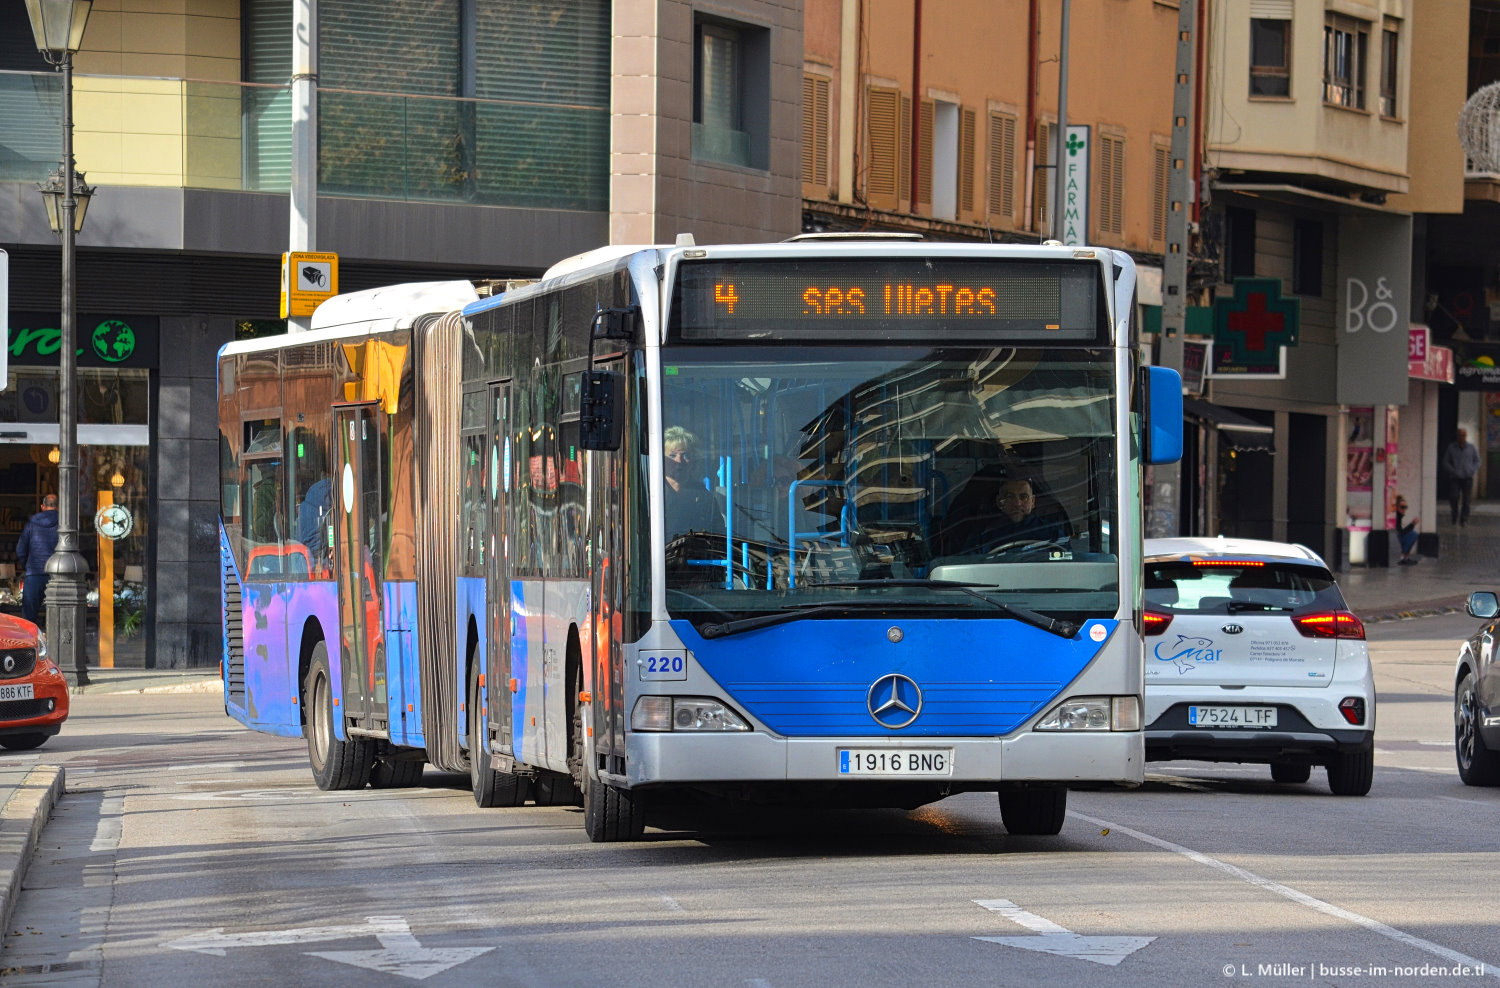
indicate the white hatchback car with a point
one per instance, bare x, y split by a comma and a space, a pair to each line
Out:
1253, 656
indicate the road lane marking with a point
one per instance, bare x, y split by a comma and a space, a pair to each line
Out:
399, 954
672, 904
111, 820
1059, 940
1301, 898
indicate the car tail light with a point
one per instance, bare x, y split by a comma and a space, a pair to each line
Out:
1330, 624
1353, 709
1156, 622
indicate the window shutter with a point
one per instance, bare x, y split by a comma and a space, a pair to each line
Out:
820, 144
903, 152
1271, 10
1161, 175
1002, 161
1043, 173
924, 156
881, 185
266, 25
1111, 175
809, 128
965, 161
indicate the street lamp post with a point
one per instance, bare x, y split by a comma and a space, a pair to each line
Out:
58, 26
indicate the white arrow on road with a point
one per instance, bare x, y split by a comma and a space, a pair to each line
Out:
400, 953
1060, 940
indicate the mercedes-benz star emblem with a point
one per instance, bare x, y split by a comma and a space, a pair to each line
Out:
894, 701
894, 635
1232, 629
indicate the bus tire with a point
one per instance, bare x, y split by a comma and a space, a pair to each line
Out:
610, 813
393, 772
1351, 774
1034, 812
335, 764
555, 789
1285, 771
491, 788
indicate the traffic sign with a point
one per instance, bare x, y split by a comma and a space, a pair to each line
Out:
307, 279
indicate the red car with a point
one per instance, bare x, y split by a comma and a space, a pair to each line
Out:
33, 693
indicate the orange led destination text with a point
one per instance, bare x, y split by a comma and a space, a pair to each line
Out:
901, 300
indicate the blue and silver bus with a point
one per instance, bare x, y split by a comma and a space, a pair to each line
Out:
851, 521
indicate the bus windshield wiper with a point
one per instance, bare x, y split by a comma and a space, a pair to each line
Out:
796, 612
1063, 629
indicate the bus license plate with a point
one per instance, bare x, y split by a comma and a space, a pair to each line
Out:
896, 761
1232, 716
22, 691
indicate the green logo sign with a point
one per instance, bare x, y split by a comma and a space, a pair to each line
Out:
113, 341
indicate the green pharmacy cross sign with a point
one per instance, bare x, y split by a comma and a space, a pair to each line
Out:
1251, 327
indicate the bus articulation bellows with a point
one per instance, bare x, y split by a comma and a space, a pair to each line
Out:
856, 522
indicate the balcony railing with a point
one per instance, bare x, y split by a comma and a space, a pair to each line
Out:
188, 134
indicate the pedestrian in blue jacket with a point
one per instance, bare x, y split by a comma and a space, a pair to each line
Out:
38, 540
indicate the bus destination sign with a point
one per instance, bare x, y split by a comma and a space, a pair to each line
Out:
925, 299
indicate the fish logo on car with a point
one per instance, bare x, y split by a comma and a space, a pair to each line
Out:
1187, 652
894, 701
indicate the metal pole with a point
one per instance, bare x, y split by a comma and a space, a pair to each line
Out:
67, 571
304, 179
1060, 153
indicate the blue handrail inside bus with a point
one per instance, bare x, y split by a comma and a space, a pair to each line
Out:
792, 535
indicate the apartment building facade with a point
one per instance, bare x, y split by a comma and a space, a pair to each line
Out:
1330, 152
457, 139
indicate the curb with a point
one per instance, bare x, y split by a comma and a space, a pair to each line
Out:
21, 822
1424, 610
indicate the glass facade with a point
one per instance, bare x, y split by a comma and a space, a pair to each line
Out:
114, 469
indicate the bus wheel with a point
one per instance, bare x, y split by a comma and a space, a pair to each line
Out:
555, 789
1036, 812
335, 764
393, 772
610, 813
491, 788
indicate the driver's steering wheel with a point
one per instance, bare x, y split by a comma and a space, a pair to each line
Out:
1023, 545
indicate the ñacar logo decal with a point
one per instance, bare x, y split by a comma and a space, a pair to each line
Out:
1187, 652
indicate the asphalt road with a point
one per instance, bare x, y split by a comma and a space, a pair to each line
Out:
190, 851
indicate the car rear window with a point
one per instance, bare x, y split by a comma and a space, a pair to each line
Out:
1226, 587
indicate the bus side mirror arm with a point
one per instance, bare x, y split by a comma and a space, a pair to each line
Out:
1161, 429
601, 423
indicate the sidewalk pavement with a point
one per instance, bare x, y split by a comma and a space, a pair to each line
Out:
1468, 559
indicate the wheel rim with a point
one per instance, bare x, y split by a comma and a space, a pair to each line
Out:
1465, 728
322, 728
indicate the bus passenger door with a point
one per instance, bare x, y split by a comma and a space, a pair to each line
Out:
608, 570
497, 572
359, 560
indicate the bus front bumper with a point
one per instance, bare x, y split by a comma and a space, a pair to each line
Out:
1039, 756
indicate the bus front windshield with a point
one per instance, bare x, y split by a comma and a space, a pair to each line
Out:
828, 480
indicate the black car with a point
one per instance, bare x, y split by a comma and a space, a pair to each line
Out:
1476, 698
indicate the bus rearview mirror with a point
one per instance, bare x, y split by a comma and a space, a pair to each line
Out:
602, 420
1162, 434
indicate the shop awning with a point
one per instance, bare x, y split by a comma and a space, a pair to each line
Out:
1244, 434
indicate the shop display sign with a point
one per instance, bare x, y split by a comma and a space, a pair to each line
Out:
1478, 367
1426, 361
113, 521
103, 340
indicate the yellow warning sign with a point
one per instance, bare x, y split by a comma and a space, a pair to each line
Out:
306, 279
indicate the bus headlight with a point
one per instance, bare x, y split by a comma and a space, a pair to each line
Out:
1094, 713
684, 713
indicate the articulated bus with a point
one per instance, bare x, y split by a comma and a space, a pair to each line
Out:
846, 521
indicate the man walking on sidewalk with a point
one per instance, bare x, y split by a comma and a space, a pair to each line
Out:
38, 542
1460, 463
